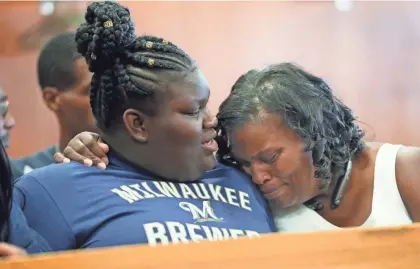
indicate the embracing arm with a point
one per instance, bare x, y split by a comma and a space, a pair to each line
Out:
41, 214
22, 237
407, 170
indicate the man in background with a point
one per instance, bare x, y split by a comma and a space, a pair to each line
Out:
64, 79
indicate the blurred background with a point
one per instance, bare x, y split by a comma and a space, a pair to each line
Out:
369, 53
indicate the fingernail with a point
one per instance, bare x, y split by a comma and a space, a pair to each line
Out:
65, 160
102, 166
88, 162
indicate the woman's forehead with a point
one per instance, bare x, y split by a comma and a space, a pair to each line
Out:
260, 129
191, 88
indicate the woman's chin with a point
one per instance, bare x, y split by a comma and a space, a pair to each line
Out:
282, 197
281, 202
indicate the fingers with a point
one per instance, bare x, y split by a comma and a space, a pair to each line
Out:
77, 152
60, 158
85, 148
105, 149
8, 250
97, 150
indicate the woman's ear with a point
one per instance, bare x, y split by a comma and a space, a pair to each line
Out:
135, 123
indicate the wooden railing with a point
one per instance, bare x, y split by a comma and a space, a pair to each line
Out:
378, 248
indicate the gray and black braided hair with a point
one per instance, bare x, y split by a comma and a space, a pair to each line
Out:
306, 104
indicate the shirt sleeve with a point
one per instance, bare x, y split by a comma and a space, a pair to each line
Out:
42, 213
21, 235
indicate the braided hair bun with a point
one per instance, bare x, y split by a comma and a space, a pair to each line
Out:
119, 59
107, 31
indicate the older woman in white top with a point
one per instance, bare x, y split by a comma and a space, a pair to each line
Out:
303, 148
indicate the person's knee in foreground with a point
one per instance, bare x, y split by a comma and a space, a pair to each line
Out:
16, 238
163, 183
303, 148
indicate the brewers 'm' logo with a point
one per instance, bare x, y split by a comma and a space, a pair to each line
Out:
206, 214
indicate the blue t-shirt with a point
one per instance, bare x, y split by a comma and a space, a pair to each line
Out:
73, 206
21, 235
26, 164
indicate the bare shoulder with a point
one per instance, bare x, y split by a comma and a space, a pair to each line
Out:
408, 162
408, 152
406, 155
372, 149
374, 145
407, 172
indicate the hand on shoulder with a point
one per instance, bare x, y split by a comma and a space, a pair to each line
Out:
407, 172
85, 148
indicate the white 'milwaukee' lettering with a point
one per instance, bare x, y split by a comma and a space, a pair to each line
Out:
175, 232
187, 192
167, 189
216, 193
147, 190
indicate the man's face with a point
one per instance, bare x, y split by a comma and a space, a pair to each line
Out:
74, 109
6, 119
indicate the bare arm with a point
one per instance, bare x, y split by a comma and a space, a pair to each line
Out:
408, 179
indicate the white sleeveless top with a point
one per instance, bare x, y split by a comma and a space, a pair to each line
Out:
387, 206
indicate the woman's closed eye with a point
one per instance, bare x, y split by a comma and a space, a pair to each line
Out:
194, 113
270, 158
